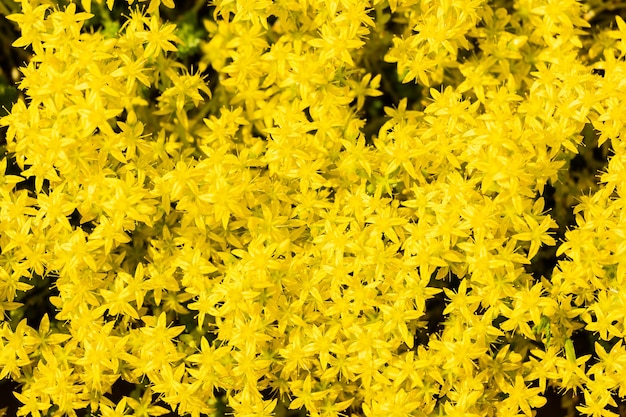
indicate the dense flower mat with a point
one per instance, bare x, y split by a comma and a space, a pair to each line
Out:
341, 207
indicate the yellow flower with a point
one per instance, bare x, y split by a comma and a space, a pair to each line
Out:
368, 86
157, 332
537, 233
606, 315
596, 405
336, 42
132, 71
184, 85
54, 208
461, 302
523, 397
385, 222
33, 403
7, 182
159, 37
119, 410
15, 352
305, 395
610, 363
32, 24
144, 407
619, 34
107, 234
43, 339
117, 300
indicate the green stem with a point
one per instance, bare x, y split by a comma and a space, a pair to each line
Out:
8, 7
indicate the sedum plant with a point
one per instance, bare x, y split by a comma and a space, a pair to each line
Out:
339, 207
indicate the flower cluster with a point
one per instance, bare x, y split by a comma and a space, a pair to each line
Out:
241, 234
